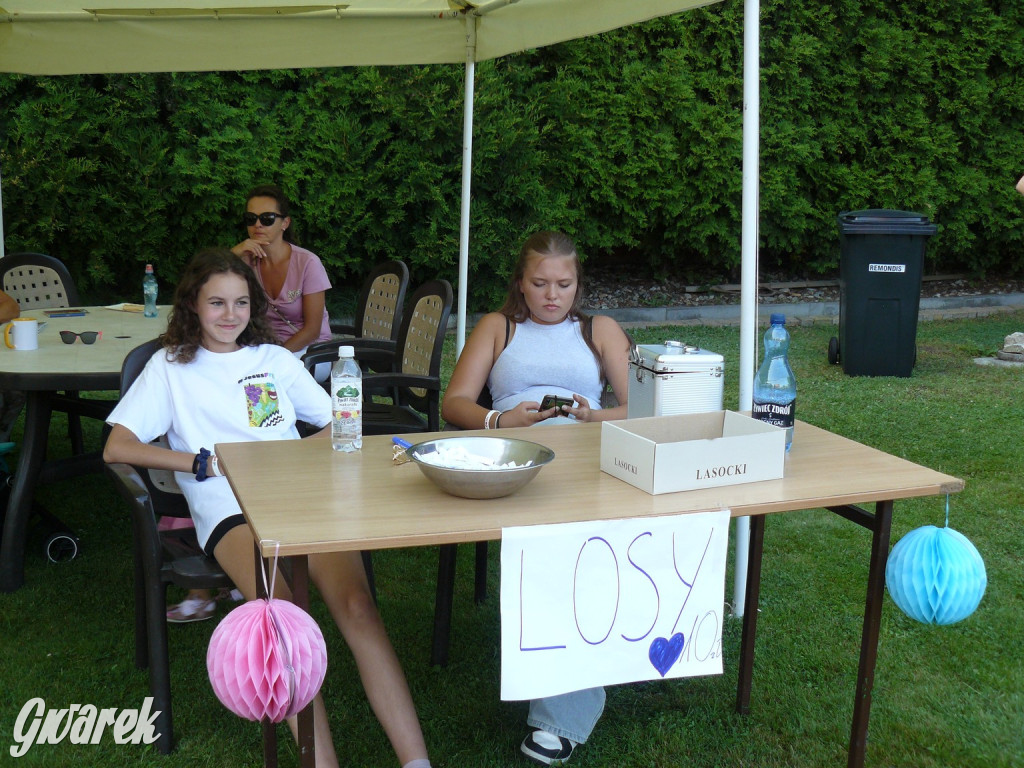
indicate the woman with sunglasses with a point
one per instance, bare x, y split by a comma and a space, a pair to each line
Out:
293, 278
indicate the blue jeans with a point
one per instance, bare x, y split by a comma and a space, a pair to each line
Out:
571, 715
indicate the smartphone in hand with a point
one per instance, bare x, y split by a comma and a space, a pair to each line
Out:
554, 401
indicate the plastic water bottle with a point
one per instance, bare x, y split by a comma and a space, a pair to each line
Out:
346, 402
149, 291
775, 384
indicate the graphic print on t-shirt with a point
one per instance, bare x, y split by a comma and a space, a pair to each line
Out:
261, 400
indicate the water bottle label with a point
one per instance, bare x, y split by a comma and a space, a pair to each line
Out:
347, 404
777, 414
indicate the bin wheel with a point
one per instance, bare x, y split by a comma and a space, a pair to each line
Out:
833, 350
61, 547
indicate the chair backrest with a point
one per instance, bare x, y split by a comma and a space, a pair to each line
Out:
167, 498
421, 338
381, 300
417, 352
37, 281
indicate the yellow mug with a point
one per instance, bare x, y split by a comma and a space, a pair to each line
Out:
25, 331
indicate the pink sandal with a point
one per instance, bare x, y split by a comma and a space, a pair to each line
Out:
191, 609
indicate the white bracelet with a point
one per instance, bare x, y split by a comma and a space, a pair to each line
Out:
487, 418
214, 466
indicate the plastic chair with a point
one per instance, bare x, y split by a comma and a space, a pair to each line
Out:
411, 376
161, 558
378, 317
38, 281
379, 313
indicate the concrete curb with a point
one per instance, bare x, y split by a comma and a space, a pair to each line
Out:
940, 308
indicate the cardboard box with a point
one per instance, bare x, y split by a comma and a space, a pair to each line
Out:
665, 454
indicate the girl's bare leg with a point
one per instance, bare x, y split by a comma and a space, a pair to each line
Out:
342, 582
235, 554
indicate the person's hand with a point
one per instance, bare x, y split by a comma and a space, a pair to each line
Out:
526, 414
582, 411
253, 247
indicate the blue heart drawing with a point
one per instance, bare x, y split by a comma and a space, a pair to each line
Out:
664, 653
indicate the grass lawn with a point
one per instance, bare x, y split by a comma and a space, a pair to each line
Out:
943, 696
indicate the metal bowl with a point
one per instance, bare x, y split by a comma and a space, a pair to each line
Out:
482, 483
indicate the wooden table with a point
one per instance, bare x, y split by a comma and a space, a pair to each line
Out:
309, 499
43, 373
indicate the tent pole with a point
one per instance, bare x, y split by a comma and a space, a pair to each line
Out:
748, 294
2, 252
467, 176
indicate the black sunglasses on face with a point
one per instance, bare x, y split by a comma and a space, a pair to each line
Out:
266, 219
87, 337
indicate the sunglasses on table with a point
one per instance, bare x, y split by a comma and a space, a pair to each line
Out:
266, 219
87, 337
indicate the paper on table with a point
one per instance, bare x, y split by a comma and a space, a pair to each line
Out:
124, 307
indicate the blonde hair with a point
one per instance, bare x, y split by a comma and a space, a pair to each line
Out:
549, 243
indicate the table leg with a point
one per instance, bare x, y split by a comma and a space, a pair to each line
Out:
19, 504
869, 636
746, 672
443, 605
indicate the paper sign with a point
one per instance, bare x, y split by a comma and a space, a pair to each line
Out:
606, 602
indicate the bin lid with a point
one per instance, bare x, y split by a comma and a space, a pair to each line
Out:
882, 221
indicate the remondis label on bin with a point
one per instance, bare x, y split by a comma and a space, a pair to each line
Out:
893, 268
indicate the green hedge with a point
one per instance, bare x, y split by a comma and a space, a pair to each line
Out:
630, 141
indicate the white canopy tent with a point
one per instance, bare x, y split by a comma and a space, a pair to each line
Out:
61, 37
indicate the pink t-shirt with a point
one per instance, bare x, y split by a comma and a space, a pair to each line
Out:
306, 274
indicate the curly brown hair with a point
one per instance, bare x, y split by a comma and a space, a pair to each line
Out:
184, 333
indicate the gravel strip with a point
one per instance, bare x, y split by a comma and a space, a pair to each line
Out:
609, 290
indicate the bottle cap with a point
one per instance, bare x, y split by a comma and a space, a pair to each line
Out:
346, 351
149, 267
778, 319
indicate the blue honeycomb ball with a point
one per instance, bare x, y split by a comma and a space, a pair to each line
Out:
936, 575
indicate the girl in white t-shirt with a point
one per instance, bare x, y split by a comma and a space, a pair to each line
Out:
221, 377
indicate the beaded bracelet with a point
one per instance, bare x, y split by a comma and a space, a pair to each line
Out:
199, 464
487, 418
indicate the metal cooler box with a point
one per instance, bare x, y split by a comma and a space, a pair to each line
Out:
671, 378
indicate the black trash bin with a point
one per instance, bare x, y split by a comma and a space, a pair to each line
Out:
880, 264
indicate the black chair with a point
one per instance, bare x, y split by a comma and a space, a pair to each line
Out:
379, 314
410, 377
38, 281
161, 558
378, 318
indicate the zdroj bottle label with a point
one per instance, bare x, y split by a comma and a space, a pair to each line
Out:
777, 414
